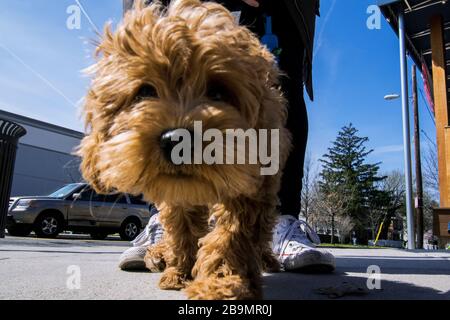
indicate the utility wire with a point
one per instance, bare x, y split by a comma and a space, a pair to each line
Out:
428, 138
88, 17
37, 74
40, 76
428, 108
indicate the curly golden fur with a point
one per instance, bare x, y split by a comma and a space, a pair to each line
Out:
180, 51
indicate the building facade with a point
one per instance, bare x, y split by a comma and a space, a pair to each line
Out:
45, 159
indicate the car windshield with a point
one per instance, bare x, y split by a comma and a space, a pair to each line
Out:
64, 191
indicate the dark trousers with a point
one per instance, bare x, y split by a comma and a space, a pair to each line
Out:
291, 63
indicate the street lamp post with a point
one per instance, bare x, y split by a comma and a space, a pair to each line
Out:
406, 131
408, 181
418, 164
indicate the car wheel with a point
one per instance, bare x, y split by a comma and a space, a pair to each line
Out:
99, 235
48, 225
130, 229
19, 231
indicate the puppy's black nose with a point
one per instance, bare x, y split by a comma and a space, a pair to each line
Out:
169, 139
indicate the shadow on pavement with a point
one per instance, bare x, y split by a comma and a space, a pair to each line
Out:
397, 265
288, 286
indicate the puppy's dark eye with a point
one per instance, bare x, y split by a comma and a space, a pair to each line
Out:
217, 92
146, 91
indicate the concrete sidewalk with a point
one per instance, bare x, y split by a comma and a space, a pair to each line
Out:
38, 269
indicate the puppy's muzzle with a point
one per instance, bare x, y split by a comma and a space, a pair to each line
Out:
170, 138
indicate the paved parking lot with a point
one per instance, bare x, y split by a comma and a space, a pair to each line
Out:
45, 269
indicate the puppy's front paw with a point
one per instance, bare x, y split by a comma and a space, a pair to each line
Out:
221, 288
172, 279
154, 258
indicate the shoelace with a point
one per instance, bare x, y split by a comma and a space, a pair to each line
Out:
295, 232
312, 235
142, 237
152, 233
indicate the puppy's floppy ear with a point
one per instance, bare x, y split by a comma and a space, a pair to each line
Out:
88, 151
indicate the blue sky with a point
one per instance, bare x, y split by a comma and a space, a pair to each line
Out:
41, 62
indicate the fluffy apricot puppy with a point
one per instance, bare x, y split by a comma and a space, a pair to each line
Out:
163, 70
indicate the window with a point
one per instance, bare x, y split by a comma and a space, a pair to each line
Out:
137, 200
85, 195
65, 191
115, 198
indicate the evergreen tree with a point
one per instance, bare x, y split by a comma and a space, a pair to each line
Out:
345, 169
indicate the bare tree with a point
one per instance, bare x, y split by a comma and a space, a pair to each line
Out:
429, 203
330, 205
374, 216
394, 184
430, 172
392, 191
316, 217
309, 182
344, 225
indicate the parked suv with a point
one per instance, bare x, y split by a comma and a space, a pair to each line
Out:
77, 207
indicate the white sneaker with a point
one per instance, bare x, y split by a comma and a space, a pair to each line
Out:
152, 233
133, 258
294, 244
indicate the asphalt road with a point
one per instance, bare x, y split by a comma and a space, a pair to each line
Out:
48, 269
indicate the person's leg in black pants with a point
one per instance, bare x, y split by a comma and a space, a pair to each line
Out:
291, 63
297, 124
293, 240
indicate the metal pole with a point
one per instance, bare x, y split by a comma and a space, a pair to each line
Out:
418, 162
406, 131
